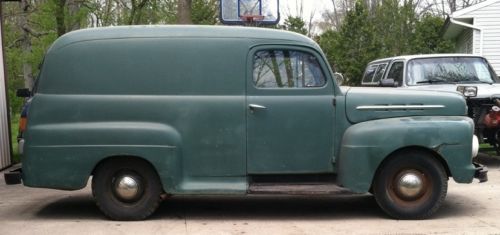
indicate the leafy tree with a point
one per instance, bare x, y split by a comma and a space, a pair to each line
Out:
353, 46
428, 39
205, 12
295, 24
389, 29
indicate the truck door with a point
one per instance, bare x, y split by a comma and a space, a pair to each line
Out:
290, 124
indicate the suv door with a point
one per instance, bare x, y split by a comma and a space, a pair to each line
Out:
290, 124
396, 72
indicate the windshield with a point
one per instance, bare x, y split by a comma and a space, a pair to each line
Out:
449, 70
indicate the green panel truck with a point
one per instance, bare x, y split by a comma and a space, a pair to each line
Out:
150, 111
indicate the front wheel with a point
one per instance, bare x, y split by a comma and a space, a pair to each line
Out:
126, 189
410, 185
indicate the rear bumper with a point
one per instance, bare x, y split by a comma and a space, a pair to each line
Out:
481, 173
13, 177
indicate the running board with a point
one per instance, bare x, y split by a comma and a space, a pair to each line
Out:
297, 189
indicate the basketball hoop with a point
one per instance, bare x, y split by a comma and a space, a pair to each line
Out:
249, 12
251, 18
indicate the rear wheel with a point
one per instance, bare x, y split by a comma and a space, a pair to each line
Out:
410, 185
126, 189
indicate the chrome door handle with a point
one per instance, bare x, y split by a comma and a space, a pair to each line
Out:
253, 107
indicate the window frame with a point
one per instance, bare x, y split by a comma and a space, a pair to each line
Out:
370, 82
385, 65
325, 69
386, 76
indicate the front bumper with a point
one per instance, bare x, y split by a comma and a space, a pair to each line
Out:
13, 177
481, 172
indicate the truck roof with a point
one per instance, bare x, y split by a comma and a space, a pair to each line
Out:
409, 57
178, 31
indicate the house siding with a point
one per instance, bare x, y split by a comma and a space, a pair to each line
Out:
464, 42
5, 158
487, 18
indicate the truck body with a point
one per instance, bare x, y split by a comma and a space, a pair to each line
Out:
150, 111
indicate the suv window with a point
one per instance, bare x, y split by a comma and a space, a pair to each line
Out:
380, 72
286, 69
370, 71
449, 70
396, 72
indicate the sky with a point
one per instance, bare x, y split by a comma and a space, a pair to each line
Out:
289, 7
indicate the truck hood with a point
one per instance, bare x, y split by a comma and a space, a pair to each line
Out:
483, 90
366, 103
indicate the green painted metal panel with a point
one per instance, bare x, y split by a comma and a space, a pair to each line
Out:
295, 133
178, 97
451, 103
365, 145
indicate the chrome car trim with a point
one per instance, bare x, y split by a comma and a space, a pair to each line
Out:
399, 107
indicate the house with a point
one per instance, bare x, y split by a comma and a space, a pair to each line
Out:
476, 30
5, 147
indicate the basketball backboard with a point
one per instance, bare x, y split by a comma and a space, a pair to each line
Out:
249, 11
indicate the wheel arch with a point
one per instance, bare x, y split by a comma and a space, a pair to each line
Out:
421, 149
121, 158
416, 148
128, 158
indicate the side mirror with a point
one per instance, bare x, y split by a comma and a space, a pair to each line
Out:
24, 92
339, 78
389, 82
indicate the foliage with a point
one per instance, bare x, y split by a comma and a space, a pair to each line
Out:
295, 24
427, 38
205, 12
353, 46
389, 29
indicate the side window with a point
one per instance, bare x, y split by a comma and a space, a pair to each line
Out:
370, 71
396, 72
286, 69
380, 72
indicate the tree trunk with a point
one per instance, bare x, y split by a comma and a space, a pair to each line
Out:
26, 45
184, 12
74, 19
136, 12
59, 12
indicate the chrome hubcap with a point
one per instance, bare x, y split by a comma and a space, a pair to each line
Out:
127, 187
410, 185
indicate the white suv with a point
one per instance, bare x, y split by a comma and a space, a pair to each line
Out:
470, 75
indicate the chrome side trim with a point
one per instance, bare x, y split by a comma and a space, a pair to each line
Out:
398, 107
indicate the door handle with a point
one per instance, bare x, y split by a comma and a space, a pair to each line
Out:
254, 107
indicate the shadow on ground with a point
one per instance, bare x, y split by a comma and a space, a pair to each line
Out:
488, 160
251, 208
271, 207
72, 207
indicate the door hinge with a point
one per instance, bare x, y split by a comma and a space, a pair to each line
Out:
334, 102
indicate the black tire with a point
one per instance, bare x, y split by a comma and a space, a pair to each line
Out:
144, 202
405, 202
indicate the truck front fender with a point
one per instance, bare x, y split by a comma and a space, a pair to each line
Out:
365, 145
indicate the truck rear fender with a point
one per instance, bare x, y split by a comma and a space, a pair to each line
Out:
72, 150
